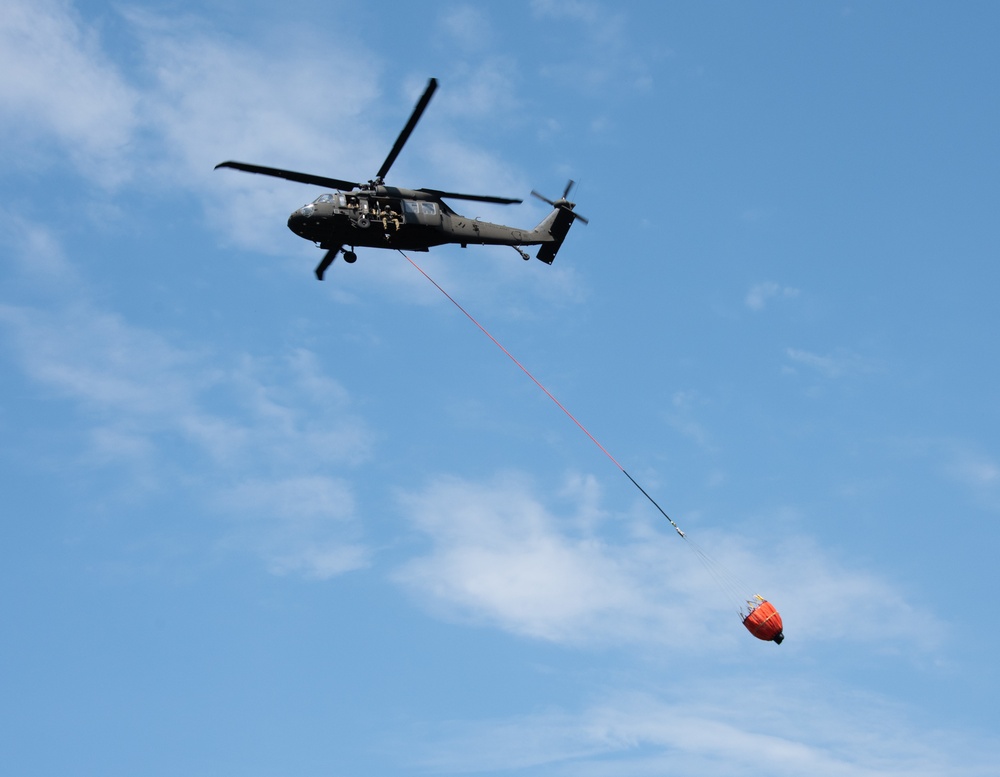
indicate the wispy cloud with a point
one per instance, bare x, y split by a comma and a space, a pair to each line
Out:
974, 467
838, 363
760, 294
299, 525
735, 727
608, 59
37, 256
681, 417
968, 463
586, 11
256, 433
56, 81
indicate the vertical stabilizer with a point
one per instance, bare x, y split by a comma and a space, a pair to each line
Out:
558, 230
555, 226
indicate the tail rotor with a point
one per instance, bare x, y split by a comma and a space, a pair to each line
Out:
562, 203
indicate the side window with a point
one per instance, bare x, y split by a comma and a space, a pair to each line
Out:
409, 206
429, 208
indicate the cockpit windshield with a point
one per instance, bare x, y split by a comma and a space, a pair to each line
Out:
324, 198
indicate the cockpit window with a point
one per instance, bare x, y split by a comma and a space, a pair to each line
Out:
324, 198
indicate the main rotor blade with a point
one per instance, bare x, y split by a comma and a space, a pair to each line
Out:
475, 197
290, 175
405, 134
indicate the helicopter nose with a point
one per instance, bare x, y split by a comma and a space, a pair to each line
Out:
299, 220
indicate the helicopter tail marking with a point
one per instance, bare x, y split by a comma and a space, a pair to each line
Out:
554, 229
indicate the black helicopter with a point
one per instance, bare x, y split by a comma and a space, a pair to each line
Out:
374, 215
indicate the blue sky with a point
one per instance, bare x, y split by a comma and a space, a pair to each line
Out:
259, 525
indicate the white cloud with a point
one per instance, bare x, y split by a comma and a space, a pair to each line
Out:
205, 100
212, 99
761, 293
54, 78
499, 556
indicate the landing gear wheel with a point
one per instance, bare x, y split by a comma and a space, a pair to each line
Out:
350, 257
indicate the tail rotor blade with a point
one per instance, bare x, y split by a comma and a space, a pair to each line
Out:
543, 198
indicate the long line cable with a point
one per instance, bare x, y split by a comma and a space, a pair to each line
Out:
549, 394
735, 589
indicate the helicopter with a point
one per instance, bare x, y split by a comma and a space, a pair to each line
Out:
373, 215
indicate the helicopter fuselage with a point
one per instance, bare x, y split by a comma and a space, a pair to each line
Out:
374, 215
390, 217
